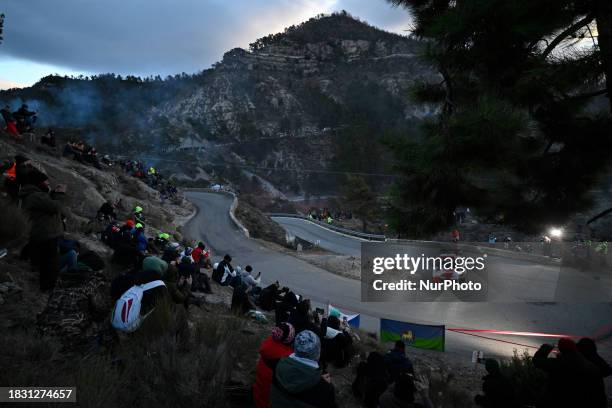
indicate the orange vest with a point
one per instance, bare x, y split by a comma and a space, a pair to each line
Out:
11, 173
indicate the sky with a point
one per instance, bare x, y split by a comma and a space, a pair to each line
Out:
151, 37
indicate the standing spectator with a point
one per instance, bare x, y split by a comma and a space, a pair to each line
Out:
9, 120
275, 347
588, 349
371, 380
573, 381
298, 381
47, 217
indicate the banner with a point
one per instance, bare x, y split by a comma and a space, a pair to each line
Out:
352, 319
412, 334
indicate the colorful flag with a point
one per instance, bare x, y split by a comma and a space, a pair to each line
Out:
415, 335
352, 319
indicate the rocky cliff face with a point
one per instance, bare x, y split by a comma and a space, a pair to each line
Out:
280, 104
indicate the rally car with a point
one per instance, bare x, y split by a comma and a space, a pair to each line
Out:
444, 273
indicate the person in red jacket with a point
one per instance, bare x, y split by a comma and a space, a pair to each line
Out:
274, 348
201, 256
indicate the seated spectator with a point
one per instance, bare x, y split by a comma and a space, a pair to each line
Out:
172, 252
337, 344
397, 362
497, 390
276, 346
301, 318
573, 381
371, 380
288, 302
161, 241
241, 302
401, 394
107, 211
201, 256
248, 279
298, 381
224, 273
269, 296
48, 138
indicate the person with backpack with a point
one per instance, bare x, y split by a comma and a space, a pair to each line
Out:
275, 347
298, 381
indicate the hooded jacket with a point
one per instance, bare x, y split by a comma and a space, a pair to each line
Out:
270, 353
296, 385
45, 213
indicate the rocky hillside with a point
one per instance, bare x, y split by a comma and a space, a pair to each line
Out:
316, 96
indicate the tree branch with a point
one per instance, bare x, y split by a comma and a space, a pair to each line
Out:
568, 31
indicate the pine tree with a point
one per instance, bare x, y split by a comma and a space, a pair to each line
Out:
518, 135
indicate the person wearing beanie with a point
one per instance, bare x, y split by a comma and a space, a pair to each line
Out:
573, 381
298, 380
275, 347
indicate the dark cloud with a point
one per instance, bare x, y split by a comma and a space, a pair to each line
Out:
159, 36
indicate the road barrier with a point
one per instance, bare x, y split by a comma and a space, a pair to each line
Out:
346, 231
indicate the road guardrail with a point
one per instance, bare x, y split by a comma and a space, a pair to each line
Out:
346, 231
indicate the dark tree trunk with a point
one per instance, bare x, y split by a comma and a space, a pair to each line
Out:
603, 17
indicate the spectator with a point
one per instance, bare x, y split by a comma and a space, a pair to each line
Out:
298, 381
248, 279
497, 390
273, 348
138, 215
107, 212
224, 273
371, 380
396, 361
401, 394
301, 318
269, 296
9, 121
47, 216
201, 256
48, 138
573, 381
588, 349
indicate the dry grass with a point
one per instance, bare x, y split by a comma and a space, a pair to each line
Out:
167, 363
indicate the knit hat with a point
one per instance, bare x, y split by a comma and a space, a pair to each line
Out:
307, 345
283, 333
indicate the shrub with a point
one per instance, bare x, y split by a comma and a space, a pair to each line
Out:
168, 362
527, 381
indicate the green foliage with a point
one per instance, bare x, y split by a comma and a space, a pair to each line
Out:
509, 140
324, 28
527, 381
360, 199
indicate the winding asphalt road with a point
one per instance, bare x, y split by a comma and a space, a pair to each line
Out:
213, 225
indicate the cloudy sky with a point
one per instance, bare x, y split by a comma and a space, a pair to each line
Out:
146, 37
